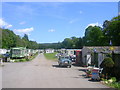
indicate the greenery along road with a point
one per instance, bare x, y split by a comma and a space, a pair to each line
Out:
50, 56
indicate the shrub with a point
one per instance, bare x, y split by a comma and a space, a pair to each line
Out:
112, 80
1, 56
116, 85
108, 66
108, 62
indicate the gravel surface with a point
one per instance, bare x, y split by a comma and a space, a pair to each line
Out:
42, 73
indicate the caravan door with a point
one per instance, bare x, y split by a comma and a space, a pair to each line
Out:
88, 59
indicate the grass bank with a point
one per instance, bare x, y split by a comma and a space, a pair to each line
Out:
50, 56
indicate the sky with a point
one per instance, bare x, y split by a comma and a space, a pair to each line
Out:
50, 22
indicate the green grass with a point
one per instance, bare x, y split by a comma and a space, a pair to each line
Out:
50, 56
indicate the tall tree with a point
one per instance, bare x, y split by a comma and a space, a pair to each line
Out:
26, 37
67, 43
112, 31
93, 36
8, 38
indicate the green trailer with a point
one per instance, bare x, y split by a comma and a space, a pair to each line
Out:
18, 52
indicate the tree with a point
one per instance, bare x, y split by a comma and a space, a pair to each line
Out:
106, 24
19, 41
26, 37
67, 43
8, 38
112, 31
79, 43
93, 36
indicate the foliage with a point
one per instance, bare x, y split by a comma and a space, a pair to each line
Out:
112, 82
115, 85
108, 66
113, 79
67, 43
1, 56
10, 39
112, 31
72, 42
93, 36
108, 62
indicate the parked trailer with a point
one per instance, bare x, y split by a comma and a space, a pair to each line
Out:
3, 51
29, 52
18, 52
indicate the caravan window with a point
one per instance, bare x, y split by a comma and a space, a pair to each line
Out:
16, 51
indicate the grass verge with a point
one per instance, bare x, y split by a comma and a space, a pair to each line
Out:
50, 56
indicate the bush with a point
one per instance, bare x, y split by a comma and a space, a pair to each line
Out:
108, 66
108, 62
116, 85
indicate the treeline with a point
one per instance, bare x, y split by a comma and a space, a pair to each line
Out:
10, 39
108, 34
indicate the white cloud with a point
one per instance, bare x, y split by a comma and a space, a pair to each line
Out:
94, 24
80, 12
51, 30
21, 23
9, 26
4, 24
73, 21
23, 31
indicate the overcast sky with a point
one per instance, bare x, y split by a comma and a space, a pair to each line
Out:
47, 22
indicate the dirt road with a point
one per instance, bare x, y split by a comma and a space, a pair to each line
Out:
42, 73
